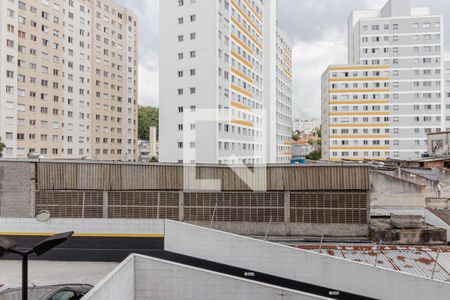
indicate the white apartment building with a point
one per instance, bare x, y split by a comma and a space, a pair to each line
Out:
69, 79
382, 105
447, 94
306, 124
281, 104
218, 60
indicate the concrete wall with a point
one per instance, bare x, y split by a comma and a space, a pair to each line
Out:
297, 264
141, 277
119, 284
289, 229
434, 220
16, 189
389, 191
98, 226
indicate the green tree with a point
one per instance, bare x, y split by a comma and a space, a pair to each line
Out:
2, 147
296, 135
315, 155
153, 159
147, 116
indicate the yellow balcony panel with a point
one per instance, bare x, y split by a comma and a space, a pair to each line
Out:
350, 125
247, 33
353, 68
288, 143
360, 102
244, 15
288, 153
359, 79
355, 113
259, 17
240, 106
241, 43
242, 123
287, 63
356, 159
241, 90
360, 136
359, 91
288, 73
241, 59
242, 75
360, 148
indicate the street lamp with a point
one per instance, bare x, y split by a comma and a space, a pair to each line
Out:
8, 246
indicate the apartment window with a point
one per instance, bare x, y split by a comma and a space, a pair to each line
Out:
180, 73
192, 35
180, 21
180, 92
180, 109
192, 71
193, 54
180, 38
193, 18
193, 90
180, 2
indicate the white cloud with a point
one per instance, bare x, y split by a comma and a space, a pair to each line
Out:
310, 60
148, 86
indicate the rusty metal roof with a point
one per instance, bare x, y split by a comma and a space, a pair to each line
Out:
419, 261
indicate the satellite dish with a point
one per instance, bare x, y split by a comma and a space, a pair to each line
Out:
43, 216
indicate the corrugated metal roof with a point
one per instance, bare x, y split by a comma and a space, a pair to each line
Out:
420, 261
387, 211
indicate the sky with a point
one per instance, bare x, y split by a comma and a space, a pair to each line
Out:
316, 28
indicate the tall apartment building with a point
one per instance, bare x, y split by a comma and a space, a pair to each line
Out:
218, 61
447, 94
279, 105
383, 104
69, 79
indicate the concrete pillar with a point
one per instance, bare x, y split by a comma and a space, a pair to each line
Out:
181, 206
105, 205
287, 207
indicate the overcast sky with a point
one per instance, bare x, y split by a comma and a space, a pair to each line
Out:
317, 29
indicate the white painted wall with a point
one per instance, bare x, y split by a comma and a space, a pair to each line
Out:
141, 277
98, 226
119, 284
432, 219
301, 265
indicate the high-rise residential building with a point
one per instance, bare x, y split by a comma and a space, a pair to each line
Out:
225, 82
447, 94
278, 91
69, 79
382, 105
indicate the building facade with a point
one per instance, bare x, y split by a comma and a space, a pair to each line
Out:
281, 130
306, 125
216, 58
383, 104
69, 88
447, 94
